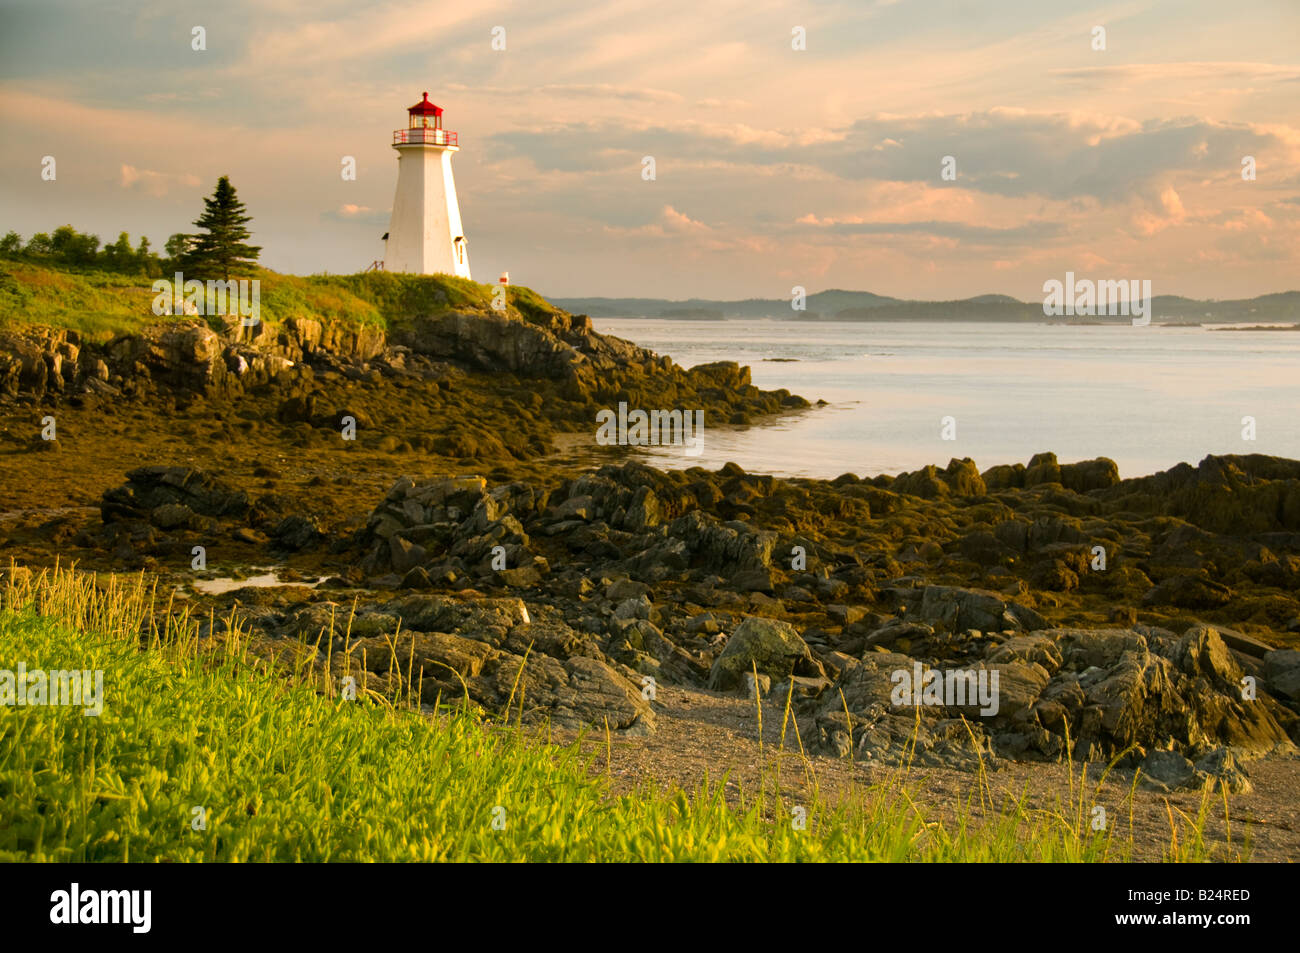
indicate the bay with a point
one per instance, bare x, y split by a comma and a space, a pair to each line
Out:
1148, 397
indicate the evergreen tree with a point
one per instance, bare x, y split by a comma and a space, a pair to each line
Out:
219, 250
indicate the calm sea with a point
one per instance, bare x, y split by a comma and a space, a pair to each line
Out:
1148, 398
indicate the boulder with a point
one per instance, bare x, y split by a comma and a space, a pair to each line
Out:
772, 646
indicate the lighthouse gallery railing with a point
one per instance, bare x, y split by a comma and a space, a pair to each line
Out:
430, 137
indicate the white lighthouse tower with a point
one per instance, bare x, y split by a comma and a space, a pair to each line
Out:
425, 234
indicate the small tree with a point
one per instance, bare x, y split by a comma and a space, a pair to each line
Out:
11, 245
147, 260
176, 248
73, 247
119, 256
219, 250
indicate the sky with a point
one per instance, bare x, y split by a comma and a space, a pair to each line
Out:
820, 167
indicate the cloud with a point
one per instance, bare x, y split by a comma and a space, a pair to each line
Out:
575, 90
680, 222
1006, 152
154, 183
975, 234
395, 28
354, 214
1219, 72
668, 223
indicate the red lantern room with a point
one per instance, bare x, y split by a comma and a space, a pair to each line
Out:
425, 127
425, 115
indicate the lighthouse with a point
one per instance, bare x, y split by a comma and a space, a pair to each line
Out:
425, 234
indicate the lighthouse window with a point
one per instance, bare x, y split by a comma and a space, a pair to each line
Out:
460, 249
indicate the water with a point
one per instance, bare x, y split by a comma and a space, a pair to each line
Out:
266, 580
1148, 398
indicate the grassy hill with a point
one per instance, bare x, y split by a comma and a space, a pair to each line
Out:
100, 304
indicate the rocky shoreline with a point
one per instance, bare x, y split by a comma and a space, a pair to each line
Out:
1152, 621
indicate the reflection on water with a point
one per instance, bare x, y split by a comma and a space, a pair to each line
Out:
223, 584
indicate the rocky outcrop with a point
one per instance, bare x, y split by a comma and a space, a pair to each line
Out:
1098, 694
1233, 494
814, 590
166, 511
220, 358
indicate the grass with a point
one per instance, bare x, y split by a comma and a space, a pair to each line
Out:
287, 769
101, 304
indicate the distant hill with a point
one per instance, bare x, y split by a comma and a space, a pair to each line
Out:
823, 302
838, 305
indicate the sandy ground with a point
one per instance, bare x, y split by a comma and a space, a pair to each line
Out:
702, 734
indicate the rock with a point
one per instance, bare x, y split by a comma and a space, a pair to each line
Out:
582, 692
404, 555
895, 632
1282, 670
1004, 477
953, 609
1201, 652
1089, 475
800, 688
1222, 767
298, 533
1042, 468
1018, 687
749, 687
845, 615
960, 478
523, 577
417, 578
552, 638
729, 547
638, 608
1167, 771
876, 730
753, 580
1038, 648
171, 516
774, 647
1189, 592
624, 589
149, 488
1124, 616
1243, 643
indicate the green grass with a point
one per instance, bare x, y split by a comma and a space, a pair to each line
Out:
95, 303
100, 304
287, 772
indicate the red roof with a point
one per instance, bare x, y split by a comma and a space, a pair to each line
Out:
425, 108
